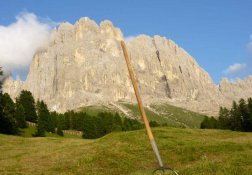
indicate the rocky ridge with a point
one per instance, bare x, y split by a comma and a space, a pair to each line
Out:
83, 64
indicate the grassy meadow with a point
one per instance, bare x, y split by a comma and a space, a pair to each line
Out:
189, 151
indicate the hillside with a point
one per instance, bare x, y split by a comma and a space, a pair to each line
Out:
190, 151
161, 113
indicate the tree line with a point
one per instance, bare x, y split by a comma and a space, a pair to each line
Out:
94, 126
14, 116
238, 118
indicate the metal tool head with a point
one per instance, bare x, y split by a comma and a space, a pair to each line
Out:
164, 171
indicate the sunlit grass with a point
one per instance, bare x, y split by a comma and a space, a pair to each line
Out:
189, 151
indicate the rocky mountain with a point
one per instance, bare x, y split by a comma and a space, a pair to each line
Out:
83, 64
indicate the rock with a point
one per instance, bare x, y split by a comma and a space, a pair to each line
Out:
83, 64
236, 90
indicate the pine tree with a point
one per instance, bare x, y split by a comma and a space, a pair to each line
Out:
90, 129
209, 123
27, 101
236, 119
204, 123
67, 120
79, 121
20, 116
51, 124
107, 122
8, 124
59, 128
213, 123
117, 122
53, 121
43, 119
250, 111
243, 108
224, 118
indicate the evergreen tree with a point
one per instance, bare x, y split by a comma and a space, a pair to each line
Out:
213, 123
27, 101
43, 119
8, 124
204, 123
59, 128
250, 111
20, 116
107, 122
51, 124
209, 123
53, 121
117, 122
127, 124
224, 118
79, 121
67, 120
89, 128
236, 120
246, 123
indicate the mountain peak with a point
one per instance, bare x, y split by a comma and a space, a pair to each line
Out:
83, 64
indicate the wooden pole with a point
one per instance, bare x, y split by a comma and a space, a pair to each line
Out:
140, 105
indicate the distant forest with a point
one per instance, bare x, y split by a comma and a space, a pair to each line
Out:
238, 118
16, 115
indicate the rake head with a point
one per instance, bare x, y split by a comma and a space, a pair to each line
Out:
164, 171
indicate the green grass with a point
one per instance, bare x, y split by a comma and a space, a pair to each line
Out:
30, 131
180, 115
94, 110
171, 115
189, 151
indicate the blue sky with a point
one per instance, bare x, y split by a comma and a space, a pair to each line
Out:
216, 33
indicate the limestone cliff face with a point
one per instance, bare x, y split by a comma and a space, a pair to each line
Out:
83, 64
236, 90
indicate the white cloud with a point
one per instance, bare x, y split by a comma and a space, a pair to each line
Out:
235, 68
20, 40
129, 38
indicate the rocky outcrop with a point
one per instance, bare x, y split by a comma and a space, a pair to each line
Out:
83, 64
237, 89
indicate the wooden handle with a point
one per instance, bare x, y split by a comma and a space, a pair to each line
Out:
140, 104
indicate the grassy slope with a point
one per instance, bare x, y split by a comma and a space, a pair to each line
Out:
173, 116
94, 110
190, 151
180, 115
30, 131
